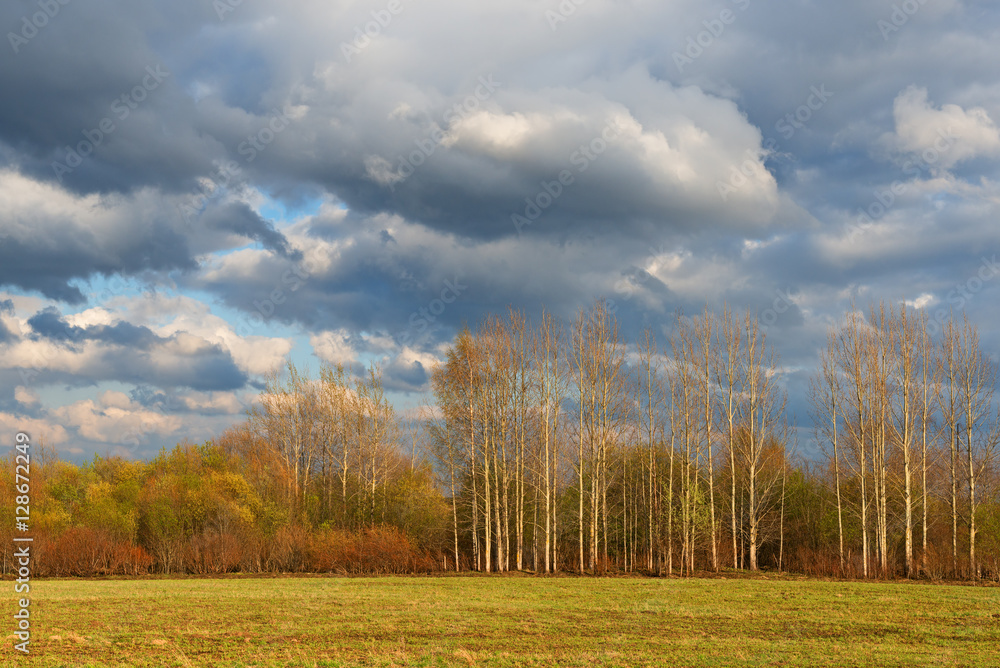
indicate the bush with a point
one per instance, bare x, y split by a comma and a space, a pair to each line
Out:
86, 552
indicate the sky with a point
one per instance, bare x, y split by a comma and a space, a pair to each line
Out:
193, 191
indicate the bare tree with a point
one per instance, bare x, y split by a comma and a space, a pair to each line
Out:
651, 388
950, 406
761, 414
549, 379
929, 383
825, 393
729, 379
977, 377
852, 354
905, 337
705, 332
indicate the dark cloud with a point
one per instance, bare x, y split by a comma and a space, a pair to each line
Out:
136, 355
6, 306
50, 324
406, 376
244, 221
730, 179
47, 252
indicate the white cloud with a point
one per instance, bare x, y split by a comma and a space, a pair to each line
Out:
25, 395
175, 315
215, 403
923, 301
950, 134
115, 421
333, 347
40, 430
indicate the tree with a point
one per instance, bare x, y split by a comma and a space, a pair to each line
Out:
729, 379
951, 411
825, 393
599, 366
760, 419
549, 380
651, 400
977, 377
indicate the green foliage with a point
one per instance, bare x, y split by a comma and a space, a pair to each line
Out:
203, 508
416, 506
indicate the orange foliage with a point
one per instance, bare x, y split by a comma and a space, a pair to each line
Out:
86, 552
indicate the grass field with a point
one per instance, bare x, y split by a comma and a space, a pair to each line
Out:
507, 621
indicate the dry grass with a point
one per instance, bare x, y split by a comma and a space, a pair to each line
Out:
509, 621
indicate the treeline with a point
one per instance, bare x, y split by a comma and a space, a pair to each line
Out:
568, 448
911, 427
314, 481
555, 447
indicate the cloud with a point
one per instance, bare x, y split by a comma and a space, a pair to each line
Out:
57, 350
951, 132
51, 236
238, 218
25, 396
266, 192
409, 371
333, 347
46, 431
168, 316
115, 419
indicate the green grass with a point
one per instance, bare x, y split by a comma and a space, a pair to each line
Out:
507, 621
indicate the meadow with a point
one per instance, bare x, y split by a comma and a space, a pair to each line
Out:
507, 621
